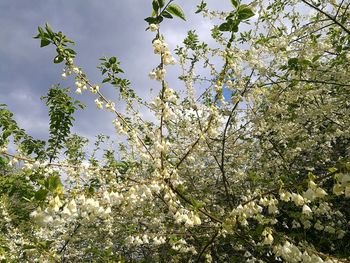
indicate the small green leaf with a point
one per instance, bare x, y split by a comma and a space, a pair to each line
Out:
158, 20
67, 40
230, 25
106, 80
293, 63
44, 42
167, 14
49, 29
235, 26
155, 6
41, 194
154, 20
122, 167
234, 3
332, 170
71, 51
161, 3
244, 12
176, 10
41, 31
112, 60
225, 27
55, 183
58, 59
201, 7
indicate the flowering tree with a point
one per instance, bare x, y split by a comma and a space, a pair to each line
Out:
248, 162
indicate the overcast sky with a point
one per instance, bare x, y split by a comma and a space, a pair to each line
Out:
100, 28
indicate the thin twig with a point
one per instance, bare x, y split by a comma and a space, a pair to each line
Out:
328, 16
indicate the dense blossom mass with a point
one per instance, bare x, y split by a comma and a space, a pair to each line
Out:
248, 161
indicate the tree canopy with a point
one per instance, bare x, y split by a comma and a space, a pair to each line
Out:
247, 162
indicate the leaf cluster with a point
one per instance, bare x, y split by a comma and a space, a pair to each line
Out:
110, 68
162, 10
61, 110
47, 36
241, 14
9, 128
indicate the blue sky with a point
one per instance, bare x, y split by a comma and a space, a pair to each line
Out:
100, 28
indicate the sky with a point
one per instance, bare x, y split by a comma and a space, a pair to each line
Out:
99, 28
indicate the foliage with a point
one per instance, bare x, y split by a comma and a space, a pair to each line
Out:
249, 162
9, 128
61, 110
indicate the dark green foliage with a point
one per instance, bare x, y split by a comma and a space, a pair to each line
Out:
47, 36
176, 10
110, 68
191, 41
201, 7
74, 148
244, 12
241, 14
234, 3
9, 128
61, 110
162, 10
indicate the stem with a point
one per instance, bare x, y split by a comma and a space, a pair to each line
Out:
307, 81
339, 7
206, 246
68, 240
224, 178
162, 113
213, 218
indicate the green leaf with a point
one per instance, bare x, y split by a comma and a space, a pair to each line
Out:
155, 6
122, 167
332, 170
201, 7
106, 80
49, 29
41, 31
230, 25
41, 194
292, 61
176, 10
71, 51
244, 12
149, 20
112, 60
234, 3
167, 14
44, 42
225, 27
55, 184
161, 3
154, 20
235, 26
58, 59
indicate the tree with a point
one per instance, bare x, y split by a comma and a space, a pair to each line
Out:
255, 169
